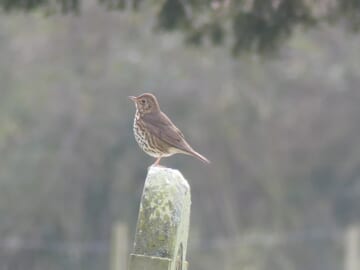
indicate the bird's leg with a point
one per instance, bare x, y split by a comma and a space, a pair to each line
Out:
157, 161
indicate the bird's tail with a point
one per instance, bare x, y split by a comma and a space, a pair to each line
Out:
198, 156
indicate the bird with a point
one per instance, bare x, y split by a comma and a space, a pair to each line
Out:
156, 134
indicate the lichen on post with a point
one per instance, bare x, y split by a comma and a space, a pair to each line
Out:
163, 222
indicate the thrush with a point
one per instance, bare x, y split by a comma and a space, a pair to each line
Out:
156, 134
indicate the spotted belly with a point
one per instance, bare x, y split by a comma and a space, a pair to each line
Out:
151, 145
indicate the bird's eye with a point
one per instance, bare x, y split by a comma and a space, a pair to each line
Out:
143, 101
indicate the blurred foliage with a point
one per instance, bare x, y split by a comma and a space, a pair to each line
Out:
246, 25
64, 5
282, 135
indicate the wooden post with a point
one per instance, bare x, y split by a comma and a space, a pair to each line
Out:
352, 250
119, 247
163, 222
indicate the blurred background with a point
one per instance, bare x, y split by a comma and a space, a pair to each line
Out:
267, 90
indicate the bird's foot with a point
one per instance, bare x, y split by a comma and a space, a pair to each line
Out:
156, 163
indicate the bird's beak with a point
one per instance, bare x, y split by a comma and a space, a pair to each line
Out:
132, 98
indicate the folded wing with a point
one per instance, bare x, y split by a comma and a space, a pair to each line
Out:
162, 127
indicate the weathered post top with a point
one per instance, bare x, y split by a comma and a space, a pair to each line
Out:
163, 222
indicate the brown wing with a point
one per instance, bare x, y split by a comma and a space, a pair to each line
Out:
161, 126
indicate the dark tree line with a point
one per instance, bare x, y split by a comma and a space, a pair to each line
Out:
246, 25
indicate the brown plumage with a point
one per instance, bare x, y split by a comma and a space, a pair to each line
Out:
155, 133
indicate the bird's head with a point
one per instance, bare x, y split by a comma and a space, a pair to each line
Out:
146, 103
